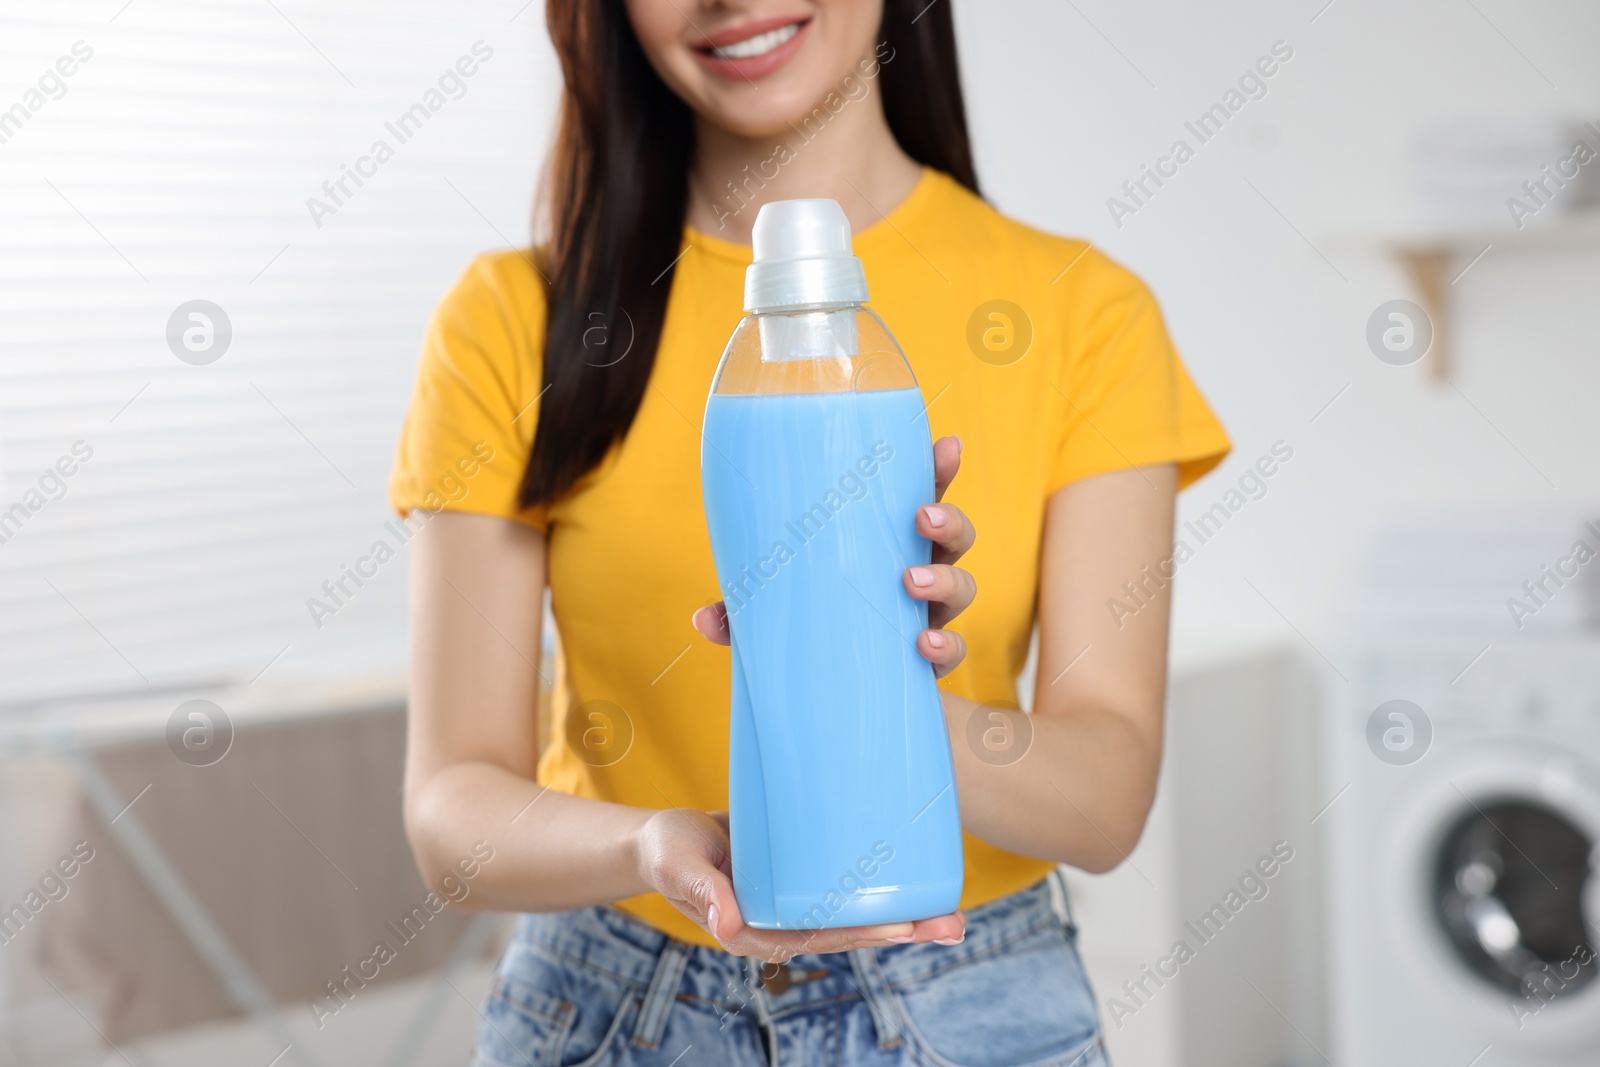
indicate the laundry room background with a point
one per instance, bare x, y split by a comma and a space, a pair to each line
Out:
1381, 794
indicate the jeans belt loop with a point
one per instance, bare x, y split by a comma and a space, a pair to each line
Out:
661, 995
880, 999
1060, 899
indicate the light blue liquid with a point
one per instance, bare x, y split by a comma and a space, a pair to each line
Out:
842, 798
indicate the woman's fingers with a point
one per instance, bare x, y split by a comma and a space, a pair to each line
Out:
948, 527
946, 461
945, 649
712, 622
948, 590
779, 946
943, 930
689, 862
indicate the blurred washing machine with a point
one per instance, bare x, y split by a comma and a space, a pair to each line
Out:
1463, 824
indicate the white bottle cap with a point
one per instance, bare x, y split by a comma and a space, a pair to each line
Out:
802, 258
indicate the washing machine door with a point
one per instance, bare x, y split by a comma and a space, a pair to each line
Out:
1489, 865
1510, 880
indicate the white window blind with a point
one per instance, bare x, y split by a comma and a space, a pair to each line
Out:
163, 521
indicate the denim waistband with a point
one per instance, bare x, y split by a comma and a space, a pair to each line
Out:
617, 945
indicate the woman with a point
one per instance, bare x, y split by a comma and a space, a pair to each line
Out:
553, 438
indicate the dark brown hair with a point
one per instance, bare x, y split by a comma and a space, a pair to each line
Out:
615, 196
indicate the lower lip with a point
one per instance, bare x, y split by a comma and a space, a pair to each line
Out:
756, 66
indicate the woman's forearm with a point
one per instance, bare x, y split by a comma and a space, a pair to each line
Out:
551, 850
1073, 787
1073, 782
1079, 794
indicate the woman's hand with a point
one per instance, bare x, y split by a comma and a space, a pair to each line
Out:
685, 856
947, 588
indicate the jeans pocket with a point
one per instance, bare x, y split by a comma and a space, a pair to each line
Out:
522, 1026
544, 1014
1025, 1004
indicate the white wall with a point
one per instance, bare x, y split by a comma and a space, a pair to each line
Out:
1270, 330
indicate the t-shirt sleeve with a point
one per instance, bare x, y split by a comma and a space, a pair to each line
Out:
474, 406
1129, 400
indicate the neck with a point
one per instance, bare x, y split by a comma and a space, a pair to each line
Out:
848, 154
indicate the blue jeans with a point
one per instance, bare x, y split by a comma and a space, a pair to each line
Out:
599, 987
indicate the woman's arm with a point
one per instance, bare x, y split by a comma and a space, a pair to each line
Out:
477, 595
1082, 791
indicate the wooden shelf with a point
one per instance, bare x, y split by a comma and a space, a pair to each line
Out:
1437, 259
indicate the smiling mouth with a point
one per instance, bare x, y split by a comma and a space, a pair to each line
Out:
759, 45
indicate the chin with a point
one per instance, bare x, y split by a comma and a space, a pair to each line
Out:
772, 112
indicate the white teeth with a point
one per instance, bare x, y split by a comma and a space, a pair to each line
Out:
759, 45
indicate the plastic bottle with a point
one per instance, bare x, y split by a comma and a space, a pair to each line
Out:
815, 456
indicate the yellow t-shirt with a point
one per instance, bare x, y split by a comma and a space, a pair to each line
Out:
1076, 377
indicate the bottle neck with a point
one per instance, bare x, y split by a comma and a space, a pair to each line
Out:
821, 331
806, 309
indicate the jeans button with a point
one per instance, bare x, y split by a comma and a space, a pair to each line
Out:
775, 978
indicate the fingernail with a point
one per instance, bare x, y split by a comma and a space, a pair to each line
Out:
958, 446
949, 940
921, 576
903, 940
935, 638
711, 920
936, 517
